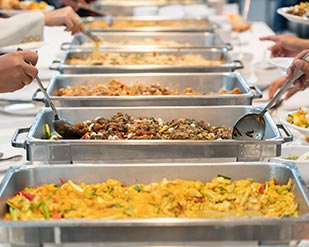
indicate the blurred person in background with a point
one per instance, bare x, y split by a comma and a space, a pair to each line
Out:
15, 68
280, 23
29, 26
287, 46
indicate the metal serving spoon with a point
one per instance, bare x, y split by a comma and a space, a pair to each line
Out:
62, 126
92, 36
252, 125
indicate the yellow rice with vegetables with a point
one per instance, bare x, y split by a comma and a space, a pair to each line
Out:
221, 197
299, 118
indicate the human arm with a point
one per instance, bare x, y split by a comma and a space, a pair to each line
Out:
300, 84
21, 28
16, 70
286, 45
29, 26
302, 65
65, 17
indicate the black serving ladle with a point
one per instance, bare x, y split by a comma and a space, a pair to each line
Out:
252, 126
61, 126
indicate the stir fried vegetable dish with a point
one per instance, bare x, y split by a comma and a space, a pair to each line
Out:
220, 197
299, 118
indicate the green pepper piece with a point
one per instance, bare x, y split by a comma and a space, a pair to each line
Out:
46, 132
13, 213
222, 176
45, 210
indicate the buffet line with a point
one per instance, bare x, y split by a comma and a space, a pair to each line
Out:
155, 102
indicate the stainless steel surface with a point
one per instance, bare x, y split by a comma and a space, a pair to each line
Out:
92, 36
252, 125
196, 39
195, 27
164, 230
126, 8
76, 151
202, 82
213, 54
61, 125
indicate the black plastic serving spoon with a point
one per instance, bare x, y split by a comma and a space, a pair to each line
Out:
61, 126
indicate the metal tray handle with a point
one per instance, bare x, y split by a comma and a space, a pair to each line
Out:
257, 93
65, 45
238, 64
53, 67
35, 98
15, 136
289, 135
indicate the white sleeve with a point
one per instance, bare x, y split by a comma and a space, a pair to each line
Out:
20, 28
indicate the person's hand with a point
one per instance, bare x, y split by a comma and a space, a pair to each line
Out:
299, 85
16, 70
276, 84
65, 17
286, 45
299, 63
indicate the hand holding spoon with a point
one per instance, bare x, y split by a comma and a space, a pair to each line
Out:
252, 126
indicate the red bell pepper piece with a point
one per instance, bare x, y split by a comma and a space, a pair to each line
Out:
199, 199
262, 189
28, 195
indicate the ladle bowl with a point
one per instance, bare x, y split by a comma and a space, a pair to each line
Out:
63, 127
252, 126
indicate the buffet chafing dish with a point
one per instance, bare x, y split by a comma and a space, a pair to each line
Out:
164, 231
202, 82
148, 23
76, 151
194, 39
213, 54
126, 8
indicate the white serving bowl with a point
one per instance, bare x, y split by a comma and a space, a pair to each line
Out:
304, 131
282, 63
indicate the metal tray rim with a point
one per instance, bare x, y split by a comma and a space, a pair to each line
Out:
159, 222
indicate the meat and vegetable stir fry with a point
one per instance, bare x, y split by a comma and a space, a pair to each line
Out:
125, 127
220, 197
119, 88
147, 58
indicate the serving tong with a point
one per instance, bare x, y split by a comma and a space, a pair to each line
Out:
108, 18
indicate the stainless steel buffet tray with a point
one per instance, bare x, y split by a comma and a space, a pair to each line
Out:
81, 151
126, 8
154, 232
194, 39
202, 82
213, 54
151, 23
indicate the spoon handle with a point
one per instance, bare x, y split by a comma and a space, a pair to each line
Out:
297, 74
51, 104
